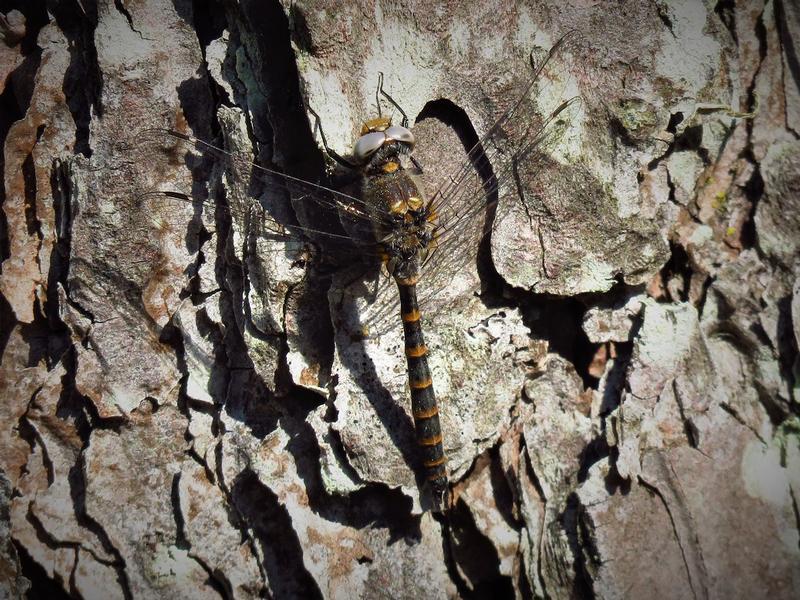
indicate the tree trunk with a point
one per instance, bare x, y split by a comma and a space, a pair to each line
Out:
197, 404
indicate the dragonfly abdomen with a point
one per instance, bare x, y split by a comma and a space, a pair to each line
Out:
423, 398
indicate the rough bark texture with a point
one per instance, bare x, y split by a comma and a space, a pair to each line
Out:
189, 410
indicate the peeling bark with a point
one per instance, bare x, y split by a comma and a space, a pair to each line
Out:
192, 407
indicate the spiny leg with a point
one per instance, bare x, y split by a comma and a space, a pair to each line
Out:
381, 92
378, 91
330, 151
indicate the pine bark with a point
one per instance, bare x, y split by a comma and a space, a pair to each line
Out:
190, 407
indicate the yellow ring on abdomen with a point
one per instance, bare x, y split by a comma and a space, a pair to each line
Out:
417, 351
420, 385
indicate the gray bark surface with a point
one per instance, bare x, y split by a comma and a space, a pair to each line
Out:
191, 407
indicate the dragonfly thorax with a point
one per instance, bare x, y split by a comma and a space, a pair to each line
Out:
407, 225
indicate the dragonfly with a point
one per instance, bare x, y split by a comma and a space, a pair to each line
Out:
388, 217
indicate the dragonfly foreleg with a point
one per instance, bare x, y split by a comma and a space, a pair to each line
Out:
386, 95
328, 150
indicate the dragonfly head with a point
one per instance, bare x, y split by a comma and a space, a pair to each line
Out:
379, 138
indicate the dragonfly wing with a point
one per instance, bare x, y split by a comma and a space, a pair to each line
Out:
248, 191
490, 183
486, 185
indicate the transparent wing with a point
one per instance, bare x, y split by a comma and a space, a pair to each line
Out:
325, 198
522, 138
259, 197
468, 203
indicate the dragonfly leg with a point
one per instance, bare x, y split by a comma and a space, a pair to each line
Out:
378, 91
328, 150
383, 93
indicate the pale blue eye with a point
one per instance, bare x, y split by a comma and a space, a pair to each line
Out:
368, 144
400, 134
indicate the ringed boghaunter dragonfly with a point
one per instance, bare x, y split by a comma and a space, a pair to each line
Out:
392, 219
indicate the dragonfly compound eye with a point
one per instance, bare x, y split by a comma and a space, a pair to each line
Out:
400, 134
368, 144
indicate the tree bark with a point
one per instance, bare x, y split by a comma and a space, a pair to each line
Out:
194, 407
